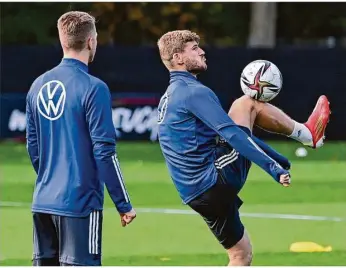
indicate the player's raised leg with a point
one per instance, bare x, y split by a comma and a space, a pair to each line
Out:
248, 112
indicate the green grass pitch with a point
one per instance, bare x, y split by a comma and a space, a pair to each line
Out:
318, 189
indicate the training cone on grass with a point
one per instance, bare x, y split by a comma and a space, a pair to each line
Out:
309, 247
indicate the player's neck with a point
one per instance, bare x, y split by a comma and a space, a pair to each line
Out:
182, 70
77, 56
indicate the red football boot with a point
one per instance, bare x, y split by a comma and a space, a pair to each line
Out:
318, 121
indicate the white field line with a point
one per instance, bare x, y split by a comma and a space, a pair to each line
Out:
191, 212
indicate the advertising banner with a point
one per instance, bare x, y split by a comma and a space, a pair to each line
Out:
134, 116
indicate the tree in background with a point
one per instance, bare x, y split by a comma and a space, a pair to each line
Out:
219, 24
263, 25
122, 23
310, 23
144, 23
32, 23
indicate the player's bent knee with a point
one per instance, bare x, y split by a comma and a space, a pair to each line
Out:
251, 103
246, 101
243, 106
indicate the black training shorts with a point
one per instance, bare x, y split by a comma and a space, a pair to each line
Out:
219, 207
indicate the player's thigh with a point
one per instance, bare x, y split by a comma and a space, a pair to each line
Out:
81, 239
244, 110
45, 239
219, 208
241, 252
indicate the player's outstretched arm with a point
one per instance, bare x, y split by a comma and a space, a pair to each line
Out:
31, 136
102, 132
283, 161
204, 104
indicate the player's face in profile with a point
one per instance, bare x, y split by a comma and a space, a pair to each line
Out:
92, 47
194, 58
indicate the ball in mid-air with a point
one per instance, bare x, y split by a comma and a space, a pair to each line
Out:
261, 80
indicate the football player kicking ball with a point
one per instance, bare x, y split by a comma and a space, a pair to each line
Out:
207, 174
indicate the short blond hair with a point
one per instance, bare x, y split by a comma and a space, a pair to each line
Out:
174, 42
75, 27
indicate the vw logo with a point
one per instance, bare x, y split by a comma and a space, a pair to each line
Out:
51, 100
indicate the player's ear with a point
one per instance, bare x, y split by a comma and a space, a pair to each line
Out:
89, 43
178, 58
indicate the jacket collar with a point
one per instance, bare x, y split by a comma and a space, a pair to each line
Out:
181, 74
74, 62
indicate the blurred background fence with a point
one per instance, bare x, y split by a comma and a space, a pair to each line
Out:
305, 40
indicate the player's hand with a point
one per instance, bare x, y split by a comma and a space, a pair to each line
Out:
128, 217
285, 180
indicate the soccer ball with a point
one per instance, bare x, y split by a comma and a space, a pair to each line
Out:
261, 80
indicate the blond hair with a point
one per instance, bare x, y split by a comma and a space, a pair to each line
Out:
75, 27
174, 42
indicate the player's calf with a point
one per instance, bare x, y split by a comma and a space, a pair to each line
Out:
247, 112
241, 253
311, 133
